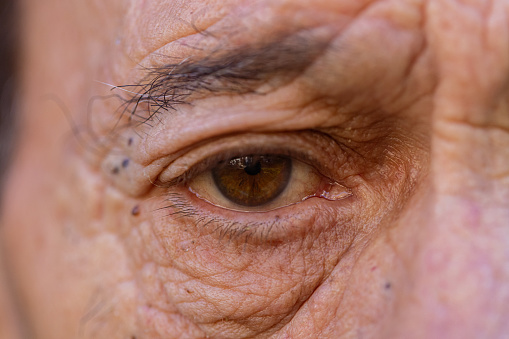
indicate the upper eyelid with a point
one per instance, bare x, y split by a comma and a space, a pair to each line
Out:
306, 146
213, 160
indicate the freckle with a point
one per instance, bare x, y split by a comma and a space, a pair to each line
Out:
125, 163
130, 142
136, 210
388, 286
115, 170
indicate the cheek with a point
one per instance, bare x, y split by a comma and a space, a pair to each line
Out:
67, 254
226, 283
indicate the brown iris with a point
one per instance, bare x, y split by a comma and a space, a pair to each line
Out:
253, 180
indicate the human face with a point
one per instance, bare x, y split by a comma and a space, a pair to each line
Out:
393, 221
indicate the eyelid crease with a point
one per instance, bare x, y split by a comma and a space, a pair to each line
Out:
306, 146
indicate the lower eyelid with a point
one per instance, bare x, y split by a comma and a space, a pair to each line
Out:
280, 225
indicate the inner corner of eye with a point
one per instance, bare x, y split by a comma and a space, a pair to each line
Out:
257, 182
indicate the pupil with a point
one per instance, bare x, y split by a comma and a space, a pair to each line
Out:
254, 169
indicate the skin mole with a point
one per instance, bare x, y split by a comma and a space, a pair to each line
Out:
136, 210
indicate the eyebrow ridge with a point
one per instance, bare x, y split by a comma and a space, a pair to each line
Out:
224, 71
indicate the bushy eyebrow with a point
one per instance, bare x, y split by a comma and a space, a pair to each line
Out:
226, 71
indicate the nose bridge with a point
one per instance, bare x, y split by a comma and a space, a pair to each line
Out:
456, 262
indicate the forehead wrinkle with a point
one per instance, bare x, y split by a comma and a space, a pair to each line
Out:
150, 25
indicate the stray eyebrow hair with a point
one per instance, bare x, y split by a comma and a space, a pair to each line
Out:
223, 72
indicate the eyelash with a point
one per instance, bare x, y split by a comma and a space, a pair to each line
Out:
215, 159
284, 144
224, 228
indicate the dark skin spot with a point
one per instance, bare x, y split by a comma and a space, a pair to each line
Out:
136, 210
388, 286
130, 142
115, 170
125, 163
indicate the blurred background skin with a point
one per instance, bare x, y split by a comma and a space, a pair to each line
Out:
433, 264
9, 43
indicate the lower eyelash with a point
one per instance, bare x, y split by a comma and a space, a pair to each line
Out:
179, 207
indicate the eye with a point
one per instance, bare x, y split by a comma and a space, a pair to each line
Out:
262, 182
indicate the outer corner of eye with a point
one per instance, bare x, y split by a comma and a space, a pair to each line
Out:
260, 183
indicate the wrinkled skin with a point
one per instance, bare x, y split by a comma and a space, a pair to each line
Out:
417, 90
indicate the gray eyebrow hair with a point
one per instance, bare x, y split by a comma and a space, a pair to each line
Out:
222, 72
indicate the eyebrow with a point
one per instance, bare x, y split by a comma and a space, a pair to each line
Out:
225, 71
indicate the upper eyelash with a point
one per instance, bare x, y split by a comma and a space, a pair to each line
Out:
211, 161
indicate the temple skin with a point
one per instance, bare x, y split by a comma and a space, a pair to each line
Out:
418, 89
